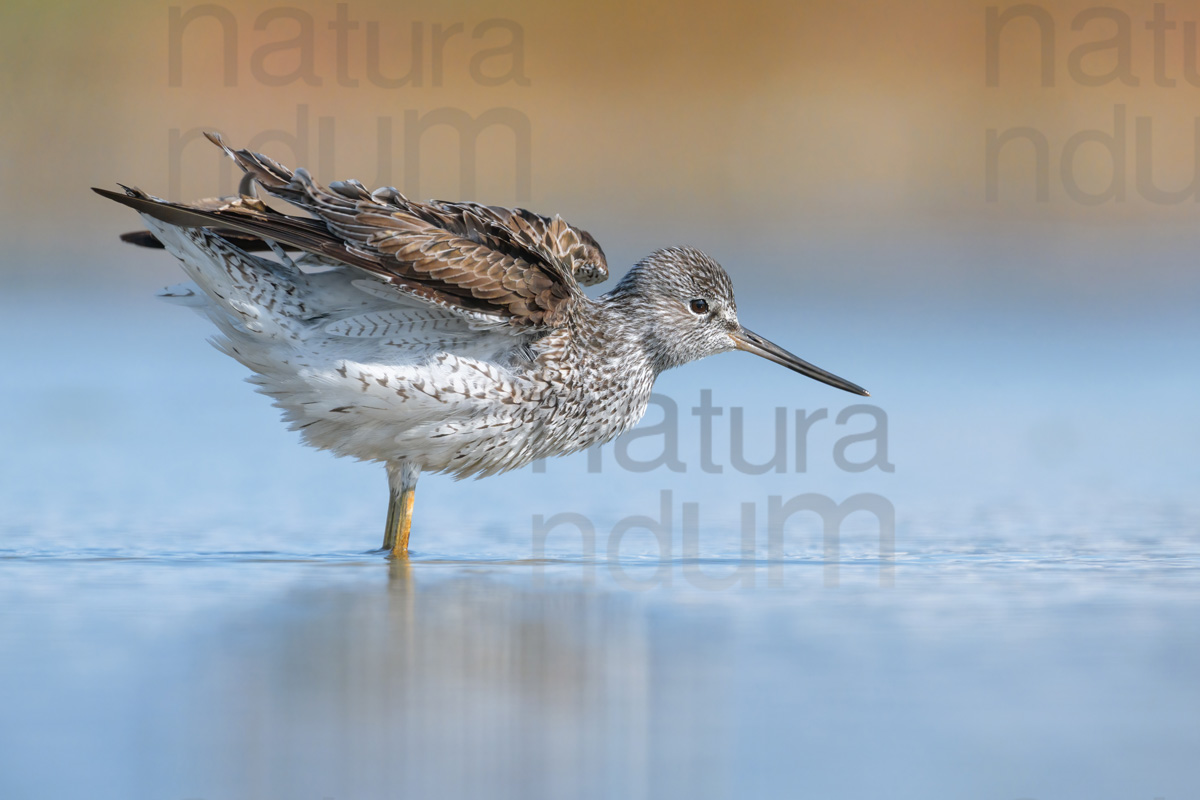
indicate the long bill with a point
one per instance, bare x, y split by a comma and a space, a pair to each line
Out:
751, 342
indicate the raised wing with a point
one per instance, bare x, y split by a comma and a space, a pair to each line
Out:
452, 255
572, 250
546, 247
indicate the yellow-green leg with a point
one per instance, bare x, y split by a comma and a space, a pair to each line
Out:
402, 485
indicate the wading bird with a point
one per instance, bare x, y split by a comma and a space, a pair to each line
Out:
438, 337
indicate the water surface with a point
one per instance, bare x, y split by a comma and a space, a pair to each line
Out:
189, 607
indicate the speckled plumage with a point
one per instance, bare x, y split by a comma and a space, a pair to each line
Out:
442, 337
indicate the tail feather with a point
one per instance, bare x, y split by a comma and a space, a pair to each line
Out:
256, 295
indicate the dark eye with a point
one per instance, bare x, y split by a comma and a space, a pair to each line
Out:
699, 306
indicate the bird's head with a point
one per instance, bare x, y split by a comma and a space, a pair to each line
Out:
683, 303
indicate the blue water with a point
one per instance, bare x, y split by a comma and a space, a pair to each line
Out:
189, 607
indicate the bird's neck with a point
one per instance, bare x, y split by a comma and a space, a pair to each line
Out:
602, 370
602, 354
625, 328
640, 321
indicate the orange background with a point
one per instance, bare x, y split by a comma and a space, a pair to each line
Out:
836, 143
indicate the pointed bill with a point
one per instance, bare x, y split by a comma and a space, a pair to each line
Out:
751, 342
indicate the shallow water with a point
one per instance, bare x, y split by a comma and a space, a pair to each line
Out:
189, 607
997, 675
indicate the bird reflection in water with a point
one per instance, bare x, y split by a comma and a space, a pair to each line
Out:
465, 682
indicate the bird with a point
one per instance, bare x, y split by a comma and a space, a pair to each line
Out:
437, 336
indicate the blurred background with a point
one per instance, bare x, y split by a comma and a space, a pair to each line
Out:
984, 213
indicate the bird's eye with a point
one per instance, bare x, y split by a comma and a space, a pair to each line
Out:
699, 306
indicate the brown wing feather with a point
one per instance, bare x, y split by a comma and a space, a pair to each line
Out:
309, 235
573, 249
458, 253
